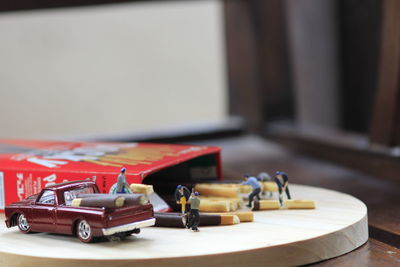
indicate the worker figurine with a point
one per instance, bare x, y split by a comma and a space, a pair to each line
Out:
194, 216
182, 195
122, 186
253, 182
282, 180
264, 177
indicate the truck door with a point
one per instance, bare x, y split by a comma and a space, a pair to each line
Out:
43, 212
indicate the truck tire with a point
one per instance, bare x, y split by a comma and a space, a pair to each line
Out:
84, 231
23, 224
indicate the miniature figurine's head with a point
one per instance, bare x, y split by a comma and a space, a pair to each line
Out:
280, 174
180, 188
196, 194
123, 170
246, 176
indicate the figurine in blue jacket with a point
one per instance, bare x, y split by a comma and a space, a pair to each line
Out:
282, 181
253, 182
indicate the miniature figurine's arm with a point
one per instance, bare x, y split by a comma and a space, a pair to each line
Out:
120, 182
192, 196
123, 181
124, 185
177, 196
186, 192
278, 183
253, 182
245, 182
285, 185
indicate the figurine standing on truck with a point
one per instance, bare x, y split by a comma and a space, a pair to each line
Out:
122, 185
52, 211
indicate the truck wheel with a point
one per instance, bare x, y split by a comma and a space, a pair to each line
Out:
84, 231
23, 224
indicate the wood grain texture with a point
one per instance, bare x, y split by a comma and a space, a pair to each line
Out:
251, 154
243, 62
257, 61
283, 237
373, 253
359, 30
277, 92
384, 127
312, 35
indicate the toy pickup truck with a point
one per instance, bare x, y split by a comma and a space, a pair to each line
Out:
51, 211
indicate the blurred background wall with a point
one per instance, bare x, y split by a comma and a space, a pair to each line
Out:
109, 69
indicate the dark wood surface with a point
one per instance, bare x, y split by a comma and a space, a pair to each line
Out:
277, 93
373, 253
348, 149
257, 61
385, 122
251, 155
359, 30
242, 55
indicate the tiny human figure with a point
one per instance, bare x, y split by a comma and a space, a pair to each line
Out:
194, 216
253, 182
122, 186
282, 180
182, 195
264, 177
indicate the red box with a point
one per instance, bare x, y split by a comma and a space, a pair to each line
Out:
27, 166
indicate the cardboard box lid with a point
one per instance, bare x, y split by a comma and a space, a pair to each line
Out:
140, 159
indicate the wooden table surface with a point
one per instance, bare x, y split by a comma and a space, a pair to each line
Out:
251, 155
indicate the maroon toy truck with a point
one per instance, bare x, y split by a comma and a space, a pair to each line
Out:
51, 211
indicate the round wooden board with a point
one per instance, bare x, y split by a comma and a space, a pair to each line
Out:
281, 237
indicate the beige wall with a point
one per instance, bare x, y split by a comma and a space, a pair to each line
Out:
129, 67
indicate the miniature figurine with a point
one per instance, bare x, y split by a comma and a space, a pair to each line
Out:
122, 185
281, 179
182, 195
264, 177
194, 216
250, 180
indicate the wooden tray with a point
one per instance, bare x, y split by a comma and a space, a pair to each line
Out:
282, 237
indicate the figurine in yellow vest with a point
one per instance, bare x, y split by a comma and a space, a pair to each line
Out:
182, 195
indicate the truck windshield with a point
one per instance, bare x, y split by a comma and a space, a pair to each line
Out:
72, 194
